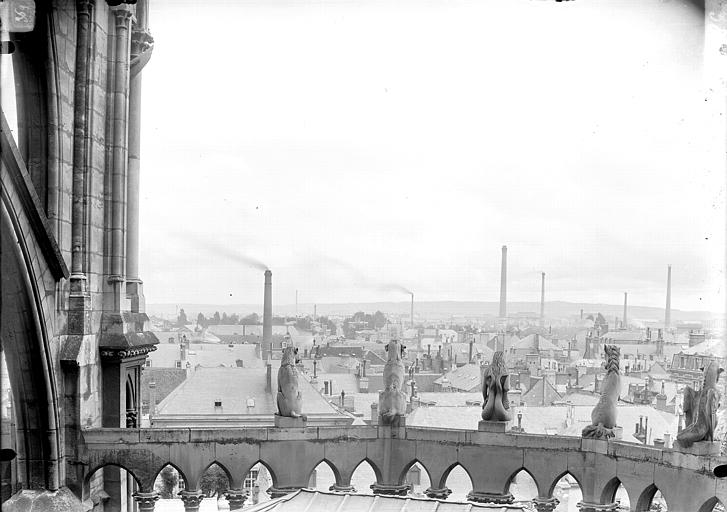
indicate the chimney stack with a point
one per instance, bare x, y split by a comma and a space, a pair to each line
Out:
625, 322
503, 283
268, 313
412, 311
667, 316
542, 299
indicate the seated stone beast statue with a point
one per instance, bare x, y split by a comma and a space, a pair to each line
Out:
289, 400
392, 400
700, 408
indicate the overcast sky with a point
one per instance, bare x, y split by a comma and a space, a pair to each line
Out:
354, 144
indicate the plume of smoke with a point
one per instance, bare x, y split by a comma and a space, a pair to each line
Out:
357, 276
393, 287
232, 254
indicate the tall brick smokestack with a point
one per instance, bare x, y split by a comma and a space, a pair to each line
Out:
542, 299
412, 310
625, 320
268, 314
503, 283
667, 315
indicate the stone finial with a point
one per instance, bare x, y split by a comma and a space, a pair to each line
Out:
603, 417
495, 385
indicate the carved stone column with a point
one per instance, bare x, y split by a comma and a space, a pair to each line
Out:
584, 506
391, 489
236, 498
81, 135
342, 488
146, 500
119, 144
545, 504
487, 497
191, 500
439, 494
142, 44
279, 492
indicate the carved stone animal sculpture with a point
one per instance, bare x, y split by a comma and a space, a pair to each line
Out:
289, 400
392, 400
495, 385
603, 417
700, 408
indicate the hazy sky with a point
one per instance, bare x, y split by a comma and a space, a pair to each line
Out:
351, 144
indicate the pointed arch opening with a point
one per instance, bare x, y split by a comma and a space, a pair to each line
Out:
215, 481
417, 477
651, 500
98, 477
522, 486
258, 480
712, 505
567, 490
615, 492
365, 474
169, 481
459, 481
323, 476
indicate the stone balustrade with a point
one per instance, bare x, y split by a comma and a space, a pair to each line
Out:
687, 482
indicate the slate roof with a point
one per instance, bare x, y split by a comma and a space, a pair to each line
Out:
348, 382
340, 351
234, 386
462, 350
208, 355
464, 378
166, 379
535, 342
534, 396
309, 500
715, 348
548, 420
254, 330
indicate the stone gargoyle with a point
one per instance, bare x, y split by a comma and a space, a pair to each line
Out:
700, 408
603, 417
392, 400
495, 385
290, 400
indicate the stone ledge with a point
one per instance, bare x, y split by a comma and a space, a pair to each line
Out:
494, 426
700, 449
290, 422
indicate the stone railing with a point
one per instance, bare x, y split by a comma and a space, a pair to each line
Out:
686, 482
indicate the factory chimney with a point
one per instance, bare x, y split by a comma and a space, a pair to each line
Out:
412, 311
667, 316
625, 321
268, 315
542, 299
503, 283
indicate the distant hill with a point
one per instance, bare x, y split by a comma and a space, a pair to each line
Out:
435, 309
